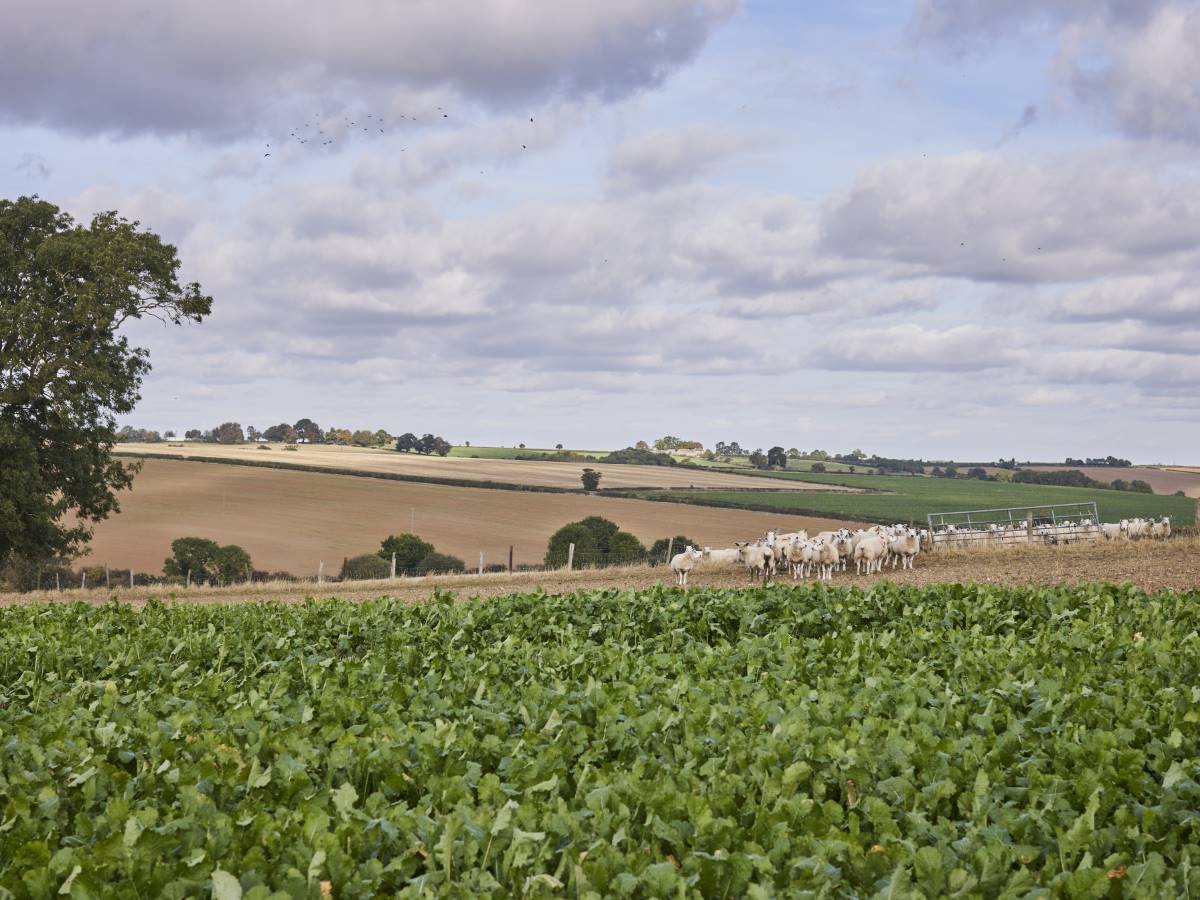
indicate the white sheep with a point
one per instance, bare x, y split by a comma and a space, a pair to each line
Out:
826, 557
758, 559
683, 563
905, 547
869, 550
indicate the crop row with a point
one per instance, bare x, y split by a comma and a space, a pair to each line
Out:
953, 740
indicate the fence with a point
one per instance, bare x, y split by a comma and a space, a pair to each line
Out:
1062, 523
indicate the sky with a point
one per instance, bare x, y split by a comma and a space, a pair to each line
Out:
918, 227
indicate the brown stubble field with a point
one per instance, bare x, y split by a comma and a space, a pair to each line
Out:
1164, 480
290, 520
1173, 564
530, 472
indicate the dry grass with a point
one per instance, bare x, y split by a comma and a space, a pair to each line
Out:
290, 520
530, 472
1150, 565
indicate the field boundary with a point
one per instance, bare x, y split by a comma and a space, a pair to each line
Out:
657, 496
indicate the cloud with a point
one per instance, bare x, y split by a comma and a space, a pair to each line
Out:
913, 348
1172, 299
665, 157
223, 69
989, 218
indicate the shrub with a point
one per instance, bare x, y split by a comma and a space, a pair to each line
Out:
590, 479
409, 550
639, 457
440, 564
366, 566
658, 550
818, 467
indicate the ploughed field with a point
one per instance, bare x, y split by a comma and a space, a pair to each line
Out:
534, 473
953, 739
291, 520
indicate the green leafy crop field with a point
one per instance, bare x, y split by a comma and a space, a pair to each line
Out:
951, 740
901, 498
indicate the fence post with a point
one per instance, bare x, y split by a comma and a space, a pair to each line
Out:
57, 582
189, 579
670, 547
321, 572
393, 563
83, 580
1029, 527
480, 562
570, 557
131, 576
510, 546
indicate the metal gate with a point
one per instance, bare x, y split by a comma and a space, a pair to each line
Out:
1060, 523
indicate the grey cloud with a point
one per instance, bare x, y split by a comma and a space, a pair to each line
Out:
224, 69
913, 348
34, 165
965, 25
1172, 299
858, 297
1029, 116
668, 157
1011, 221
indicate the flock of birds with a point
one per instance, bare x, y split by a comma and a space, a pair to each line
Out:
323, 133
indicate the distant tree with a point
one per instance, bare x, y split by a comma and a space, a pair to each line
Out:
758, 459
1141, 487
381, 438
251, 433
938, 472
426, 443
642, 445
793, 453
343, 437
229, 433
977, 472
671, 442
440, 564
558, 446
308, 430
128, 434
777, 457
194, 555
407, 442
522, 446
362, 438
586, 546
409, 550
857, 454
950, 472
1118, 484
441, 446
281, 433
232, 564
367, 566
193, 434
850, 469
624, 548
590, 479
658, 550
820, 454
1179, 494
818, 467
169, 435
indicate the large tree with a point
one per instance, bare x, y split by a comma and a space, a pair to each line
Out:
67, 371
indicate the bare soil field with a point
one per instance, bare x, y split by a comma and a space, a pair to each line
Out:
530, 472
1163, 480
1173, 564
290, 520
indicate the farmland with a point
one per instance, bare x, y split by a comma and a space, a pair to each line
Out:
959, 739
290, 520
531, 473
899, 498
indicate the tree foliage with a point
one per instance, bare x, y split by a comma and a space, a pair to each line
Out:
229, 433
409, 550
66, 370
366, 566
777, 457
590, 478
207, 562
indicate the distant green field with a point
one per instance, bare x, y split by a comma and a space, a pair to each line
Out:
742, 465
911, 498
514, 452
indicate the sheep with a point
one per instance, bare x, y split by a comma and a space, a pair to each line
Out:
758, 559
719, 557
1160, 530
905, 547
869, 550
683, 563
826, 557
801, 557
1111, 531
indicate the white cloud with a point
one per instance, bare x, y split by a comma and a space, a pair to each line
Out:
666, 157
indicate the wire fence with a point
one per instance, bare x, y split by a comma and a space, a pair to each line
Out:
1058, 524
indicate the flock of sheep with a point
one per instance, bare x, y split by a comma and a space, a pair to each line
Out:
797, 553
871, 548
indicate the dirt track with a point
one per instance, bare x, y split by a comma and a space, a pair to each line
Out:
540, 474
291, 520
1151, 566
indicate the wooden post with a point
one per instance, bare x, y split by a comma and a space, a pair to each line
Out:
670, 547
131, 576
57, 582
107, 580
189, 579
1029, 527
510, 546
321, 573
480, 562
393, 563
83, 580
570, 557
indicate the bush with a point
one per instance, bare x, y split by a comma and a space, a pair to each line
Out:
440, 564
818, 467
658, 550
364, 567
590, 479
637, 457
598, 542
495, 567
409, 550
